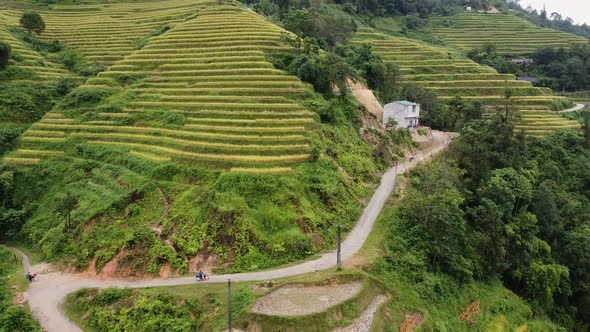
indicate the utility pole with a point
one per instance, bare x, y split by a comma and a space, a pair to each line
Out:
229, 304
339, 251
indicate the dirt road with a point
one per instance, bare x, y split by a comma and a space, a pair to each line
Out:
47, 295
573, 109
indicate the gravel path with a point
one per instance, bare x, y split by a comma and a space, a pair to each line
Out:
47, 296
305, 300
364, 322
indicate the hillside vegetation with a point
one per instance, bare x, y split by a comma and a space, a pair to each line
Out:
511, 34
190, 148
497, 207
448, 74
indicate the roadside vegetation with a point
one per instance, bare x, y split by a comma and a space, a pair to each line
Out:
168, 181
503, 209
13, 317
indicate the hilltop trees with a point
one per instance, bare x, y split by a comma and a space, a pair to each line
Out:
5, 51
33, 22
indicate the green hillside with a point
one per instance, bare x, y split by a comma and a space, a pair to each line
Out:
511, 34
190, 146
449, 74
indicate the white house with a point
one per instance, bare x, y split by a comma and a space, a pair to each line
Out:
406, 114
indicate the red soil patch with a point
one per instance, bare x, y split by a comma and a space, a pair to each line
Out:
165, 271
411, 321
91, 222
203, 262
470, 312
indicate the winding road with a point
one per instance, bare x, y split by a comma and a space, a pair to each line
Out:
47, 295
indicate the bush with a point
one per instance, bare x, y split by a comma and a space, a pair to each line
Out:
24, 102
86, 97
5, 51
74, 61
65, 86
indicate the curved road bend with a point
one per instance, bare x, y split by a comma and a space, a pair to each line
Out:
47, 295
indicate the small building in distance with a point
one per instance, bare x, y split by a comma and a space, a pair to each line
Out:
520, 61
406, 114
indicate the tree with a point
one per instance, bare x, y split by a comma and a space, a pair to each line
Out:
544, 281
438, 218
32, 21
66, 206
586, 126
5, 51
545, 208
455, 111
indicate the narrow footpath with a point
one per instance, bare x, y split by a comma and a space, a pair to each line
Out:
573, 109
46, 296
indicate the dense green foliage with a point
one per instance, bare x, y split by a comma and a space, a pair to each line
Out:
488, 55
327, 25
33, 22
5, 51
561, 69
326, 70
499, 206
13, 318
127, 310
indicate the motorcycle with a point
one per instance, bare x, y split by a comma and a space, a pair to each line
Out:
204, 278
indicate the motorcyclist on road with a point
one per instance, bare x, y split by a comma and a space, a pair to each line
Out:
201, 275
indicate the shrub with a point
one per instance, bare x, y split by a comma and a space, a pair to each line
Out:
86, 97
64, 86
24, 102
72, 59
32, 21
5, 51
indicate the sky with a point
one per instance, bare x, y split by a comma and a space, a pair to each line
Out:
578, 10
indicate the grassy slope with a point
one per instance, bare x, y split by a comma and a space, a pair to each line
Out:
153, 212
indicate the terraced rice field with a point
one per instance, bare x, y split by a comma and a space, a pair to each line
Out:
27, 58
237, 110
449, 74
106, 33
511, 34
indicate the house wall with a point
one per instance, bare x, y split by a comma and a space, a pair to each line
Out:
394, 111
406, 116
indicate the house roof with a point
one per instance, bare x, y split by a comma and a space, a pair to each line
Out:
406, 103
